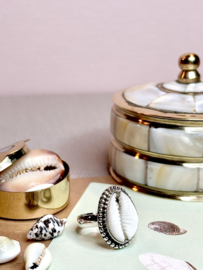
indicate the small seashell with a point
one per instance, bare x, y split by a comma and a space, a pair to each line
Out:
166, 228
159, 262
122, 217
9, 249
37, 256
47, 227
35, 168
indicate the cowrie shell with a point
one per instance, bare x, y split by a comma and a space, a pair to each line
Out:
159, 262
37, 167
9, 249
37, 256
118, 220
47, 227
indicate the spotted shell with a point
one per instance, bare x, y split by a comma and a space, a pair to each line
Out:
159, 262
9, 249
46, 227
166, 228
37, 256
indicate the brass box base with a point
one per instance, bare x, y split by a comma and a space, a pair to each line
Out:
32, 205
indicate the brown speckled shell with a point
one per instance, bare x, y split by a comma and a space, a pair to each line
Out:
166, 228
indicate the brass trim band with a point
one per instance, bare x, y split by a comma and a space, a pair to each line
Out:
164, 193
155, 157
156, 116
141, 121
9, 154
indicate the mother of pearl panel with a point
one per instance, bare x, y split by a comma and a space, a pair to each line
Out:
127, 166
144, 95
199, 103
201, 180
154, 174
129, 132
183, 87
174, 102
186, 142
152, 97
181, 142
172, 177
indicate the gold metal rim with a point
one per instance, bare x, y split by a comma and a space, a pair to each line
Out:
11, 153
32, 205
155, 116
155, 157
138, 120
169, 194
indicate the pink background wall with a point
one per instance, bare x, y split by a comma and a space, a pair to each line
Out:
55, 46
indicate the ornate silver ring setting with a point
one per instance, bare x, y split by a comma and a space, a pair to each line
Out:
116, 218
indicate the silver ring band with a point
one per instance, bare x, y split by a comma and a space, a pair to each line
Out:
115, 208
87, 220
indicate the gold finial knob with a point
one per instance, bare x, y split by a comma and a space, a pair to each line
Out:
189, 63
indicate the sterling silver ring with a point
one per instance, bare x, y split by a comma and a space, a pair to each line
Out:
116, 218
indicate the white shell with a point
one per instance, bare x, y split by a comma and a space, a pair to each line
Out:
122, 217
159, 262
9, 249
46, 227
36, 168
37, 256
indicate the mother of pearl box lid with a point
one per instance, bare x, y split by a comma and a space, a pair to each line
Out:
32, 182
157, 135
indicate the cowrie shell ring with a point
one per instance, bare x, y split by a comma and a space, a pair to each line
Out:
116, 218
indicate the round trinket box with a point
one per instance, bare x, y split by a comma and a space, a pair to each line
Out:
157, 135
31, 171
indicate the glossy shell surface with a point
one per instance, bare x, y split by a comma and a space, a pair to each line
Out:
9, 249
46, 227
154, 174
168, 140
169, 97
35, 168
160, 262
166, 228
117, 217
37, 256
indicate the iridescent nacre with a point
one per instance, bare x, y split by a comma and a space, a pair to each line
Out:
166, 228
9, 249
